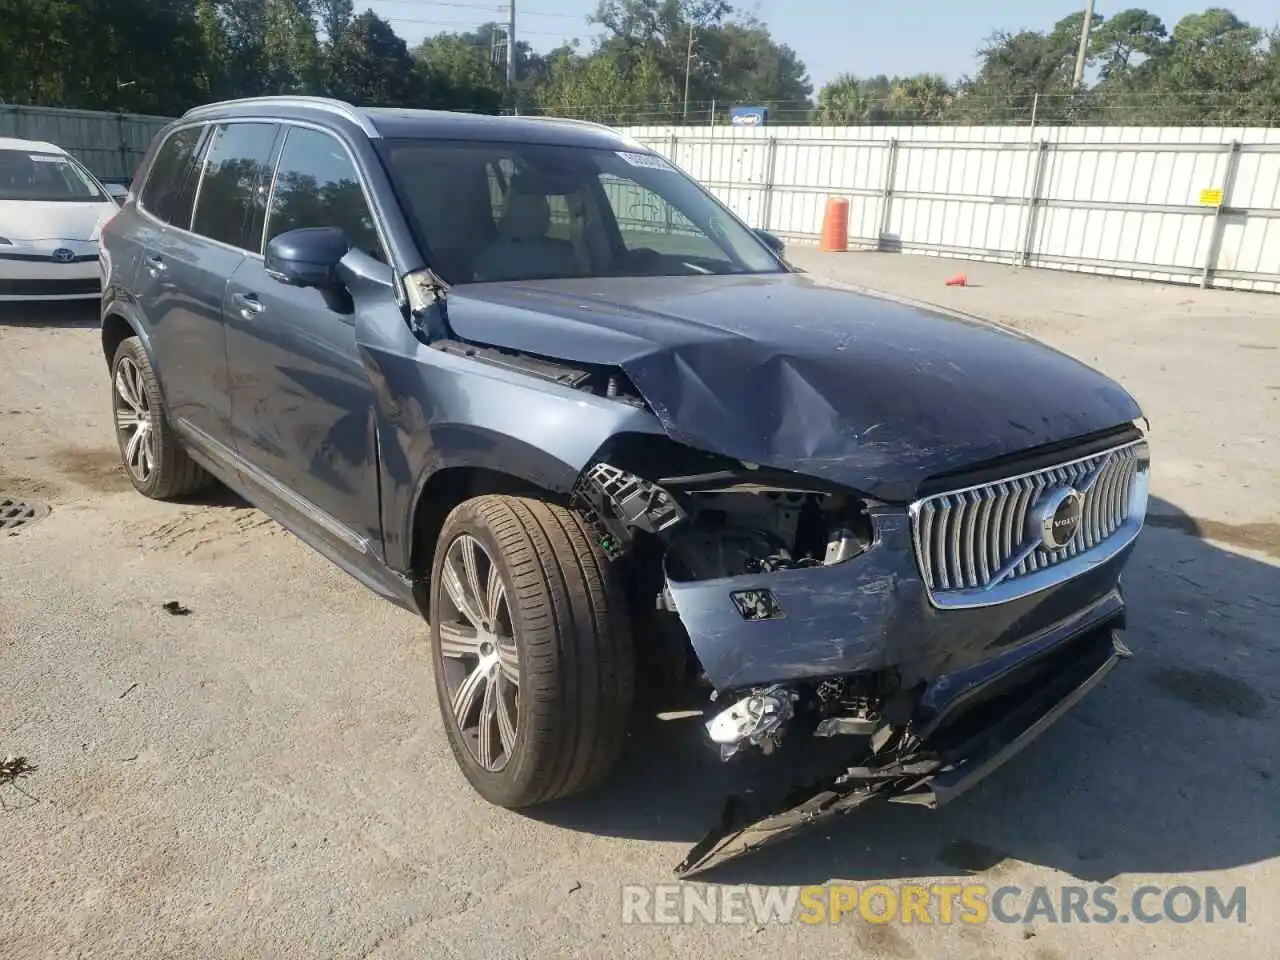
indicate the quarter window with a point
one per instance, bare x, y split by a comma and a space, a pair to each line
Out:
317, 185
170, 189
236, 173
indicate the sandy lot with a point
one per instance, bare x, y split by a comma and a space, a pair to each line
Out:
267, 776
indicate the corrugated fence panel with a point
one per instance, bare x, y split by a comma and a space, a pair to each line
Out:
109, 144
957, 198
1132, 208
1185, 204
807, 173
1250, 245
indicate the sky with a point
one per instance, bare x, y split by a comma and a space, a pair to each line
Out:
830, 36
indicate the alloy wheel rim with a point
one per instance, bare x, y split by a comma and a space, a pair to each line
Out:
134, 425
478, 650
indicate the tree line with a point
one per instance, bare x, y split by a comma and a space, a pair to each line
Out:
652, 61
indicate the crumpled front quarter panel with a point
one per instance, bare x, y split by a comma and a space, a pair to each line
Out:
437, 410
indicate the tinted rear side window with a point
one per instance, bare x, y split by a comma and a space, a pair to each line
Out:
237, 170
317, 186
171, 185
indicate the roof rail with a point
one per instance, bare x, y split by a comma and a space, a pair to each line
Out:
339, 107
543, 116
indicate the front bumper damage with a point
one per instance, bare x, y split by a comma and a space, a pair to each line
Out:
851, 648
929, 771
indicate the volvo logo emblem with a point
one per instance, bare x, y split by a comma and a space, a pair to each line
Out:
63, 255
1055, 518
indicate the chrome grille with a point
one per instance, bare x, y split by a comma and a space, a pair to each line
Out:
970, 542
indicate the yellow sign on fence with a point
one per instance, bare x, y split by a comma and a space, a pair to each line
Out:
1211, 197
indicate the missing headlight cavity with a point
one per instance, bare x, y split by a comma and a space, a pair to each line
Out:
739, 530
710, 517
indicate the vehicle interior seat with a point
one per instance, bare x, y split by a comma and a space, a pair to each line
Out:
523, 250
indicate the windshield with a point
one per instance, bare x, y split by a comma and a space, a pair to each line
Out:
45, 177
511, 211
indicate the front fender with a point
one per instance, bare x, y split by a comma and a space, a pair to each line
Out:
439, 410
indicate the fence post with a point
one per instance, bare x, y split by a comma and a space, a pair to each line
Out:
671, 155
770, 169
1033, 206
124, 146
1216, 228
886, 194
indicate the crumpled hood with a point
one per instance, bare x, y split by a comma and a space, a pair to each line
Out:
22, 220
784, 370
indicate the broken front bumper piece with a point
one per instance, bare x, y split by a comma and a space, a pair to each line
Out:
930, 773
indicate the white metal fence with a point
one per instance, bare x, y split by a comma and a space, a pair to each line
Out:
1184, 204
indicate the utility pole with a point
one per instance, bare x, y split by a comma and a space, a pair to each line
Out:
688, 63
511, 46
1084, 45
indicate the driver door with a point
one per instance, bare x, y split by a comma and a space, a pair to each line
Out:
302, 404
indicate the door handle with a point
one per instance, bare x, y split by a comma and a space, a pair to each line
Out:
156, 266
249, 305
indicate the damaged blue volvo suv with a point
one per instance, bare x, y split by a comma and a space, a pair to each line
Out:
526, 378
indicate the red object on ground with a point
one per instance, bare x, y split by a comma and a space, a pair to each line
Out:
835, 226
959, 280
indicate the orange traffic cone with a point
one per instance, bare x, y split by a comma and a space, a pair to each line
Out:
959, 280
835, 226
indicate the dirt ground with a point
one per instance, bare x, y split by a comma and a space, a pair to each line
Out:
267, 776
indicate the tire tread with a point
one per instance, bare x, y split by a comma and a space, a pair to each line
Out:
571, 620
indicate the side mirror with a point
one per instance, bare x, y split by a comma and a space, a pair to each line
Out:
307, 257
776, 244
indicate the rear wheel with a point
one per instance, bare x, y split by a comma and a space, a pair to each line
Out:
532, 650
150, 450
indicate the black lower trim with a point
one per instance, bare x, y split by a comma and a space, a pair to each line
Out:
50, 288
1008, 738
46, 258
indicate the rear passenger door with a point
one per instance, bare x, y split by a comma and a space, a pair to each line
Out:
301, 397
191, 265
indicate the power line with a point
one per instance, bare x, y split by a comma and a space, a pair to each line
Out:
497, 8
461, 23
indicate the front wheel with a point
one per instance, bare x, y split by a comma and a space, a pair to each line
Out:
532, 650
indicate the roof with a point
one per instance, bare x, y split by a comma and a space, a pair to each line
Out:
35, 146
393, 123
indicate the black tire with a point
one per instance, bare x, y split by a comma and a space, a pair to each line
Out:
572, 636
172, 473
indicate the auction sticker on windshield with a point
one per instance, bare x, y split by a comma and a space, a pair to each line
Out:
645, 160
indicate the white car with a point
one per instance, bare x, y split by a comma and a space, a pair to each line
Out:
51, 214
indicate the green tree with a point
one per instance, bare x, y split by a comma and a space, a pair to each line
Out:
732, 58
101, 54
609, 90
1130, 32
460, 71
371, 65
845, 100
334, 16
291, 49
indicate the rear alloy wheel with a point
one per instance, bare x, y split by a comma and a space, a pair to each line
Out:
532, 652
150, 450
